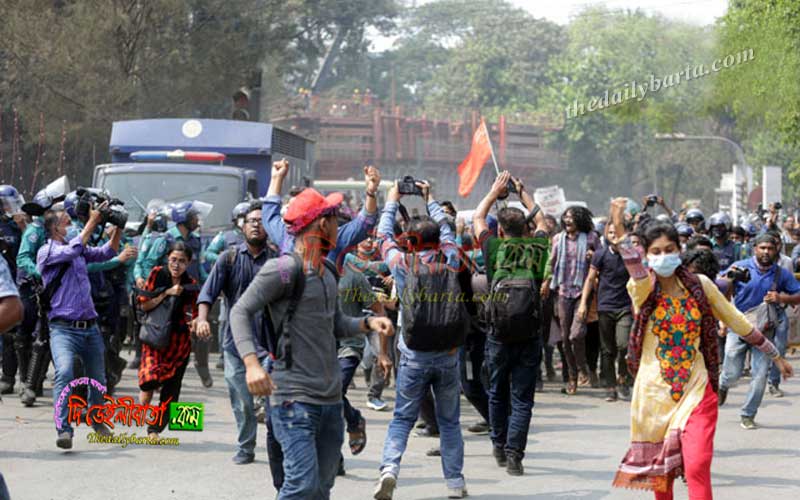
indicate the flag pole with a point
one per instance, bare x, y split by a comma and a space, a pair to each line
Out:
491, 148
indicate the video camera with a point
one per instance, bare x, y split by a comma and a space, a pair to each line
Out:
90, 198
739, 274
408, 185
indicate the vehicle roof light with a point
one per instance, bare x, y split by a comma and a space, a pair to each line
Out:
178, 155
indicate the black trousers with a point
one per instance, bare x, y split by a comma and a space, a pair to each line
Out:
592, 345
471, 365
274, 454
170, 389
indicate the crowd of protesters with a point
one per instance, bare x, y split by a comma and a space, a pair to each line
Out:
662, 309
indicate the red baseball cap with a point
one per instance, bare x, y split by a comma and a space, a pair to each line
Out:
307, 207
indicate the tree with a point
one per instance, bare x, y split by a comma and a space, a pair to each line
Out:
606, 52
91, 62
763, 95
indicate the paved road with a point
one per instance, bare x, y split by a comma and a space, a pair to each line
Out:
573, 451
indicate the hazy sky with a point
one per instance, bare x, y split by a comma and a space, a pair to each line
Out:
701, 12
695, 11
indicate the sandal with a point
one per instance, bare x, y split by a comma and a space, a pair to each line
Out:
358, 440
572, 388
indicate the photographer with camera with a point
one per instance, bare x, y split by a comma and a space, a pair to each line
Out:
653, 200
770, 286
71, 315
109, 278
435, 293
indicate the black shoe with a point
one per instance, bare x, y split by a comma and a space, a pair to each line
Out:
722, 395
500, 456
242, 458
611, 395
64, 441
434, 452
28, 397
6, 387
775, 391
205, 376
481, 427
340, 471
514, 467
426, 433
102, 429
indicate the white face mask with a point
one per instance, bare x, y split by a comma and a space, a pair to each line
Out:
664, 264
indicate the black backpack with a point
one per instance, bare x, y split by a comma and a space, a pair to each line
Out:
433, 309
513, 307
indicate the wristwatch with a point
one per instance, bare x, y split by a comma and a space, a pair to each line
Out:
370, 194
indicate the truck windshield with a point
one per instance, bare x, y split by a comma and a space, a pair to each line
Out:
138, 188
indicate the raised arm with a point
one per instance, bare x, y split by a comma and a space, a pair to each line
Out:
479, 217
271, 209
390, 252
530, 204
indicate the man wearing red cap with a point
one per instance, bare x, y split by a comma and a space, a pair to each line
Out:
300, 291
349, 235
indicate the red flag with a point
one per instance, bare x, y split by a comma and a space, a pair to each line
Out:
470, 168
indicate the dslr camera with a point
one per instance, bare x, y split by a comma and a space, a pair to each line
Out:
90, 198
739, 274
408, 185
778, 205
652, 200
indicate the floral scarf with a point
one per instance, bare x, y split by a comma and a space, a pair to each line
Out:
708, 335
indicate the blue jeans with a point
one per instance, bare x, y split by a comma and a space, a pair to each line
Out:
352, 416
512, 378
311, 437
735, 350
780, 341
65, 344
413, 381
241, 403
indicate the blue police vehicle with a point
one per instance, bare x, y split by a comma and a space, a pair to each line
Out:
220, 162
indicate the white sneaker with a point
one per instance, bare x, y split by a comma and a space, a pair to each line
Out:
457, 492
385, 487
376, 404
